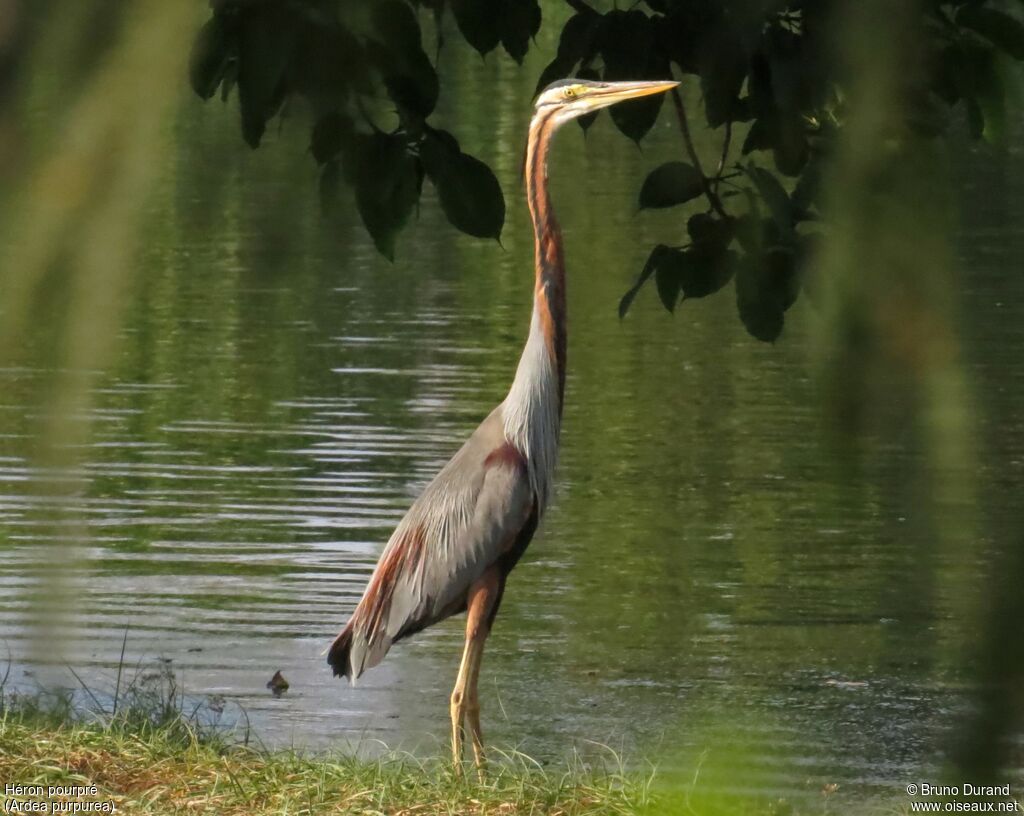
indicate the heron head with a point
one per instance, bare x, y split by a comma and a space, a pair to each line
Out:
570, 98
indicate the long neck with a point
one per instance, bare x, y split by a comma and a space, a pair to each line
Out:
533, 408
549, 263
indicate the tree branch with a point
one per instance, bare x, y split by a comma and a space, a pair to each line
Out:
684, 126
725, 154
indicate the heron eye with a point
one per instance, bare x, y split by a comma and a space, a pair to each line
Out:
568, 93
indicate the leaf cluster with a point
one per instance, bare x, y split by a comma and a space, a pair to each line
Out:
768, 72
340, 60
771, 69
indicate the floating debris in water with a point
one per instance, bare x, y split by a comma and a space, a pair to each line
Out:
277, 684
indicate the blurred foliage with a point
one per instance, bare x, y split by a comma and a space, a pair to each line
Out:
890, 339
337, 59
768, 71
72, 217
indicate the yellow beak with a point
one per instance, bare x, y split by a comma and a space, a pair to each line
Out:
618, 91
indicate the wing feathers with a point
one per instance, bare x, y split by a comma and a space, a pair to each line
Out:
464, 521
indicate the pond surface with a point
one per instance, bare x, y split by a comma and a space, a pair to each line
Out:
702, 580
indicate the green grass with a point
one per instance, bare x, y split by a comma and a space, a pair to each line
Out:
157, 771
149, 751
168, 768
146, 753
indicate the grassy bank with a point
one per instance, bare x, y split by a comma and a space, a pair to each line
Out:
168, 768
140, 748
148, 750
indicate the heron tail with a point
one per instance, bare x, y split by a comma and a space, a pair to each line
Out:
339, 655
353, 652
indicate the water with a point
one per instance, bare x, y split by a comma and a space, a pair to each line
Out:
281, 394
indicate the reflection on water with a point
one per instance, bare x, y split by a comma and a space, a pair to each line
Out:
282, 393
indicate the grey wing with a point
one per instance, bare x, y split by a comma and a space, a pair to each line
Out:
503, 502
465, 520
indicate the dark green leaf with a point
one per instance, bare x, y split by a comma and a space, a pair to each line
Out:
750, 230
396, 25
762, 96
944, 80
759, 307
329, 134
790, 152
708, 231
783, 275
683, 30
979, 82
702, 227
388, 181
788, 80
555, 70
330, 183
671, 184
414, 86
266, 42
637, 116
1002, 30
575, 44
741, 111
209, 57
330, 61
704, 271
779, 93
628, 49
707, 265
626, 38
467, 189
805, 193
577, 41
447, 141
518, 22
666, 280
773, 195
478, 23
645, 275
768, 284
408, 73
230, 80
723, 67
806, 256
759, 137
691, 273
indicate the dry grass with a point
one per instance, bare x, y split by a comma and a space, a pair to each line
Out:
147, 750
172, 770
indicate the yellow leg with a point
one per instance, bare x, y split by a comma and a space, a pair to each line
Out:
473, 714
458, 706
465, 703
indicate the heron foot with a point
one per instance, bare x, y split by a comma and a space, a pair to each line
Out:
476, 735
458, 713
467, 713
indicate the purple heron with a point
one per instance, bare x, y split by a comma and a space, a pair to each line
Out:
455, 547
